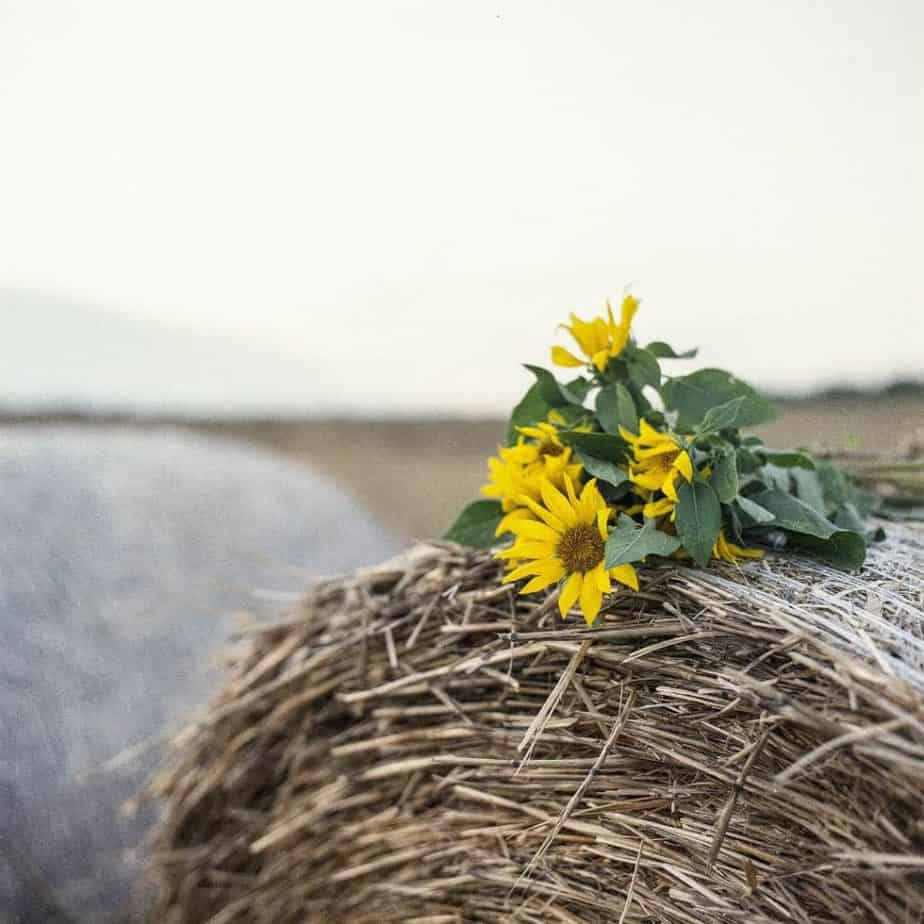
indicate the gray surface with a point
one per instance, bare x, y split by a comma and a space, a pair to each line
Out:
121, 555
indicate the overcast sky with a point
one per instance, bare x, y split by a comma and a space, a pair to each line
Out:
406, 198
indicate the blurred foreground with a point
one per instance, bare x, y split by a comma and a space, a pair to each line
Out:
414, 475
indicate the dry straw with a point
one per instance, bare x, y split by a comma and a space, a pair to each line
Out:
418, 744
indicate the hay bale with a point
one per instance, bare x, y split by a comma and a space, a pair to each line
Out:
419, 744
122, 554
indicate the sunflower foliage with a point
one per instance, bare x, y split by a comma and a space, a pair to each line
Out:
616, 463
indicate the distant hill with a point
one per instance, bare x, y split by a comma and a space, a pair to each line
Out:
61, 355
900, 388
58, 352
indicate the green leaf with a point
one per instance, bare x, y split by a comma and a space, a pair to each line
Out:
731, 517
579, 387
476, 524
603, 470
615, 408
644, 369
665, 351
848, 517
604, 446
775, 477
722, 416
787, 458
795, 515
552, 391
693, 395
608, 409
628, 415
754, 514
531, 409
808, 489
842, 547
699, 519
837, 490
725, 477
629, 542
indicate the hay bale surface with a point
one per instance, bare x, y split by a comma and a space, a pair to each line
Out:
418, 744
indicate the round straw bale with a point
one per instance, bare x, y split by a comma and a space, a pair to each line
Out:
121, 555
418, 743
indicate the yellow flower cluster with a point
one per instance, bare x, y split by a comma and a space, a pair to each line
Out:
601, 339
566, 540
519, 471
659, 460
560, 526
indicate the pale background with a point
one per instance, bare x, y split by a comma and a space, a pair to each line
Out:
379, 207
212, 210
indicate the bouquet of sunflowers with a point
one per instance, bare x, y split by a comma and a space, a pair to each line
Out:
624, 462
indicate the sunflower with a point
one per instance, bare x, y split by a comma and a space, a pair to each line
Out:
658, 460
519, 470
599, 339
566, 541
546, 447
728, 551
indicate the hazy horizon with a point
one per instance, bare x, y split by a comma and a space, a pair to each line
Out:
147, 367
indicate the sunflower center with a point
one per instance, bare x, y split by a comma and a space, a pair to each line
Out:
550, 449
581, 548
665, 462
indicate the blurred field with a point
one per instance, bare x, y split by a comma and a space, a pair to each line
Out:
413, 476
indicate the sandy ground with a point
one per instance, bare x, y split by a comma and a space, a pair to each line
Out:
413, 476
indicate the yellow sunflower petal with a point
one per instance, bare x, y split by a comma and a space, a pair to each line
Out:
669, 485
530, 569
648, 433
526, 549
601, 358
747, 553
658, 508
569, 594
625, 574
736, 551
541, 581
533, 529
591, 599
516, 515
573, 471
628, 435
546, 516
620, 339
602, 577
591, 501
557, 502
583, 334
562, 357
629, 306
665, 447
651, 481
603, 516
569, 490
683, 465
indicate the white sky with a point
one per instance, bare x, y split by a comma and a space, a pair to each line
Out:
412, 195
